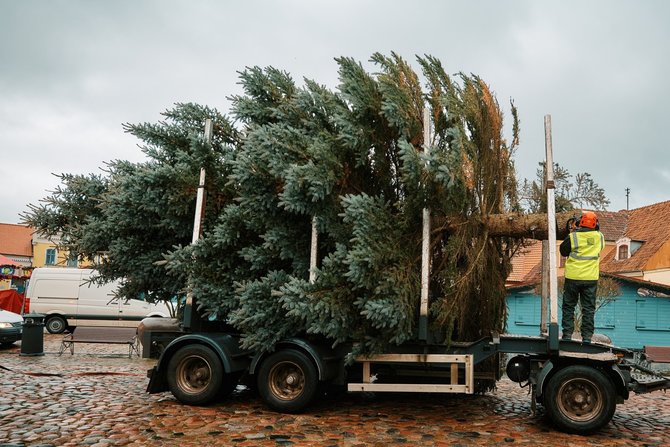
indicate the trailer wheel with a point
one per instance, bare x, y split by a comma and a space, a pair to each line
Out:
580, 399
288, 381
195, 375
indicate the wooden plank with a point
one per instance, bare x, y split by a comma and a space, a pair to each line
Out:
454, 387
409, 388
469, 375
417, 358
601, 356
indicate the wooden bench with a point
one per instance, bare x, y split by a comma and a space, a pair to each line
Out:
102, 334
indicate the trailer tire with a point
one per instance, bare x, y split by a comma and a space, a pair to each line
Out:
288, 381
580, 399
195, 375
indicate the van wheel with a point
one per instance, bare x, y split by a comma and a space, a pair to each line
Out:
195, 375
56, 324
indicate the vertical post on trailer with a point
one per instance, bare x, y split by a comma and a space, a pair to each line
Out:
313, 252
191, 316
545, 288
425, 244
551, 227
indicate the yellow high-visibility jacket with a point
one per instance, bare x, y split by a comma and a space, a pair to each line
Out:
583, 262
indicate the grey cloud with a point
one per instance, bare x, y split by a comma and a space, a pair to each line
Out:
71, 72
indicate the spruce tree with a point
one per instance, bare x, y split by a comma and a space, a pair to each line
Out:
350, 159
353, 159
127, 218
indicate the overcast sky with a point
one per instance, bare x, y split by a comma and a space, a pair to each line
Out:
72, 72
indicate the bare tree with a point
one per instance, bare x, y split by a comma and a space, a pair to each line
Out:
583, 192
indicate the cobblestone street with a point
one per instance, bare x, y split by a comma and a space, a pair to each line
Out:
97, 397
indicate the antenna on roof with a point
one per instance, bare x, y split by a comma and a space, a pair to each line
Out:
627, 197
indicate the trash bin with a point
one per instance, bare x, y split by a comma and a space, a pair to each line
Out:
32, 339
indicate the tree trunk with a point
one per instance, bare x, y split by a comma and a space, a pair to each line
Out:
526, 226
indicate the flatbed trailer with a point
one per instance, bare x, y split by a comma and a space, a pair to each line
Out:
578, 384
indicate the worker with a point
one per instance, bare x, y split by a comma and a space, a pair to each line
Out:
582, 249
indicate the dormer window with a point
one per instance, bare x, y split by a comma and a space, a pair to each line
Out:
623, 251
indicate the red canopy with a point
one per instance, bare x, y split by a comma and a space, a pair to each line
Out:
4, 260
12, 301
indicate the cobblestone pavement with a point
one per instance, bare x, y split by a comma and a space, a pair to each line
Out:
97, 397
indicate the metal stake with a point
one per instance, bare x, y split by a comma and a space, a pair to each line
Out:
551, 227
425, 243
191, 316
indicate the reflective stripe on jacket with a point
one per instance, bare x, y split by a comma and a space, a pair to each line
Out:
584, 260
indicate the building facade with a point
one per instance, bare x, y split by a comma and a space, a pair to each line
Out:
639, 316
636, 254
47, 254
23, 250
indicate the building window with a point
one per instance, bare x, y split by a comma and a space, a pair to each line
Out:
50, 257
624, 249
623, 252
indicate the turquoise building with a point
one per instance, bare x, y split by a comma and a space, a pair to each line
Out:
638, 317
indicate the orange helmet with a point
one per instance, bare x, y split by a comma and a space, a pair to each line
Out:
588, 220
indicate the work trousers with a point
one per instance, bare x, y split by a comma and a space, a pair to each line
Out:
583, 292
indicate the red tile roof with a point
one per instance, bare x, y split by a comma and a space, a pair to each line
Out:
613, 224
16, 240
649, 225
526, 263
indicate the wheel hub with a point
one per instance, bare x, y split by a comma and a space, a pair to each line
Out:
287, 380
194, 374
291, 379
580, 400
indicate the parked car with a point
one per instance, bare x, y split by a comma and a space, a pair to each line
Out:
67, 298
11, 327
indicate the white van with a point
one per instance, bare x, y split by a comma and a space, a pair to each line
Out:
67, 299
